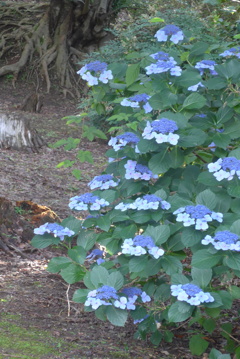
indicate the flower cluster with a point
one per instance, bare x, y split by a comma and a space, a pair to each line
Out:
224, 240
197, 215
234, 51
137, 171
127, 138
164, 63
96, 254
107, 295
96, 67
225, 168
206, 64
137, 100
191, 294
195, 87
173, 31
103, 182
87, 201
141, 245
149, 201
56, 229
162, 130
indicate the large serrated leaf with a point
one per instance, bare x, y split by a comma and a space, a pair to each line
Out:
116, 316
194, 101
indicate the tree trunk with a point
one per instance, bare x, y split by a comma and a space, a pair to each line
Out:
57, 42
16, 133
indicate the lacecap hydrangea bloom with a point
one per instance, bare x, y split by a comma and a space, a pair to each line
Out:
137, 171
127, 138
87, 201
137, 101
103, 182
206, 64
149, 201
96, 254
223, 240
97, 68
191, 294
164, 63
198, 215
173, 31
162, 130
234, 51
56, 229
194, 88
140, 245
225, 168
132, 292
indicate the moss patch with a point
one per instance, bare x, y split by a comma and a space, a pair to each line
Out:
19, 342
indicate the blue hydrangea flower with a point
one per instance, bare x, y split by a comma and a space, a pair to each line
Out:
138, 171
223, 240
101, 296
173, 31
164, 63
149, 201
96, 68
103, 182
140, 245
162, 130
234, 51
96, 254
138, 100
198, 215
87, 201
137, 321
191, 294
56, 229
225, 168
206, 64
134, 292
194, 88
127, 138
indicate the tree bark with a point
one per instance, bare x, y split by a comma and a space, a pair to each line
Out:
16, 133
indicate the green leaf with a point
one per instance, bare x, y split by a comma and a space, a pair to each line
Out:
156, 338
86, 239
233, 188
99, 276
84, 156
171, 264
179, 311
72, 223
159, 234
188, 78
191, 138
80, 295
73, 273
209, 324
77, 254
104, 223
190, 237
235, 227
194, 101
156, 19
234, 291
199, 48
176, 202
204, 259
197, 344
201, 277
207, 198
216, 83
125, 232
132, 73
141, 216
159, 163
229, 69
43, 241
208, 179
224, 114
138, 264
115, 280
176, 157
58, 263
116, 316
232, 260
163, 100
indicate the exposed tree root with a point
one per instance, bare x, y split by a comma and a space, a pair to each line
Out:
50, 38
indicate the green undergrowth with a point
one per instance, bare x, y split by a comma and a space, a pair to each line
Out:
19, 342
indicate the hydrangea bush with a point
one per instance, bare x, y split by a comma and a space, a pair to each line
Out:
165, 213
